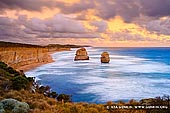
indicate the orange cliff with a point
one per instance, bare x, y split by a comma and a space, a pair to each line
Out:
26, 58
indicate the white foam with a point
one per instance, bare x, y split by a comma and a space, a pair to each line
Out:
108, 81
117, 88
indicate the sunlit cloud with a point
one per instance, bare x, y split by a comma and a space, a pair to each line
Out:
86, 22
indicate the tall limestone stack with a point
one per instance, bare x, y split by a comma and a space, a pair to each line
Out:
105, 57
81, 54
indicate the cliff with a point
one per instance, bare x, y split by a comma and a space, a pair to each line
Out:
18, 55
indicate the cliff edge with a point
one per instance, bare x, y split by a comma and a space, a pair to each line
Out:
19, 55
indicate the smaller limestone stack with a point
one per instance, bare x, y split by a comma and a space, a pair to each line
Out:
105, 57
81, 54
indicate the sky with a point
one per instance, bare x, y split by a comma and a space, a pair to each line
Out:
99, 23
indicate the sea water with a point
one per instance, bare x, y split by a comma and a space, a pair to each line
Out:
133, 73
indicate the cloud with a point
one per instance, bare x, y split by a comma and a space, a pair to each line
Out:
83, 5
101, 25
58, 26
30, 5
60, 23
127, 9
155, 8
9, 28
125, 36
92, 19
73, 35
105, 9
159, 26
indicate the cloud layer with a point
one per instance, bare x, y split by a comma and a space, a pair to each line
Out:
58, 26
30, 5
87, 19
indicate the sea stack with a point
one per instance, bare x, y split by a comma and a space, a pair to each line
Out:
81, 54
105, 57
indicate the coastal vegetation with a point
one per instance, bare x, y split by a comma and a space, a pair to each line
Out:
21, 94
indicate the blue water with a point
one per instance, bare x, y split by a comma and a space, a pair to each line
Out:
133, 73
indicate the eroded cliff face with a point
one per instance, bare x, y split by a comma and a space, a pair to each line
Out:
21, 56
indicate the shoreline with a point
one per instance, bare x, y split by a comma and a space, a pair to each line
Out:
30, 67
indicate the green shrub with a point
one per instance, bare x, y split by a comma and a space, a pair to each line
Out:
12, 105
19, 83
53, 94
21, 107
1, 108
64, 97
30, 79
9, 70
9, 104
3, 65
12, 71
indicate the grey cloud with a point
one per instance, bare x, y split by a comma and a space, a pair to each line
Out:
32, 26
130, 9
30, 5
44, 35
68, 35
106, 9
9, 28
127, 9
126, 35
78, 7
60, 23
155, 8
73, 35
58, 26
159, 26
101, 25
6, 21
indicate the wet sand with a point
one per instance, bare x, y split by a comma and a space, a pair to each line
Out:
32, 66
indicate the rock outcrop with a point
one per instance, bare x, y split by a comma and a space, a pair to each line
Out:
81, 54
105, 57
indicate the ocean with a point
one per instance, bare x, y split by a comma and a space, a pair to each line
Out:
133, 73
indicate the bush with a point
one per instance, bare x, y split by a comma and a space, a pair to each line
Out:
44, 89
19, 83
21, 107
64, 97
9, 104
53, 94
14, 106
9, 69
1, 108
12, 71
3, 65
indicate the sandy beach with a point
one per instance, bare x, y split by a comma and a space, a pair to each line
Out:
32, 66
